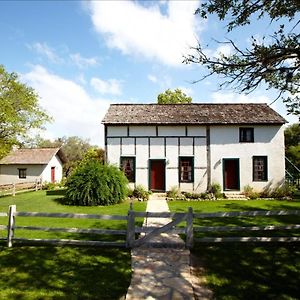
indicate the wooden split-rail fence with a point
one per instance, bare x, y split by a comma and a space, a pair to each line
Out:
14, 188
131, 231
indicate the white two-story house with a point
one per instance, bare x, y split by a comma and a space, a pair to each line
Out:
192, 146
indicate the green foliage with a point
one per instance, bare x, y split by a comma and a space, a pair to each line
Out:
273, 59
173, 97
19, 111
250, 193
94, 183
141, 193
49, 186
215, 189
174, 193
292, 150
285, 191
74, 148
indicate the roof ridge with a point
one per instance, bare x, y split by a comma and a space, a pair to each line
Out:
197, 103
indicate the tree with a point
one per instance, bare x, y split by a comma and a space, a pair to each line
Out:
19, 111
292, 148
274, 60
75, 149
173, 97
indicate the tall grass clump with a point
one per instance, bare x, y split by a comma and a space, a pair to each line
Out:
94, 183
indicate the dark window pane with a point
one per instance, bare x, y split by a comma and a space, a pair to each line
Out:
247, 135
260, 168
186, 166
128, 167
22, 173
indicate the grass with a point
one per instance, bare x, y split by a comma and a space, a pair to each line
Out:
40, 202
251, 271
64, 273
235, 205
248, 270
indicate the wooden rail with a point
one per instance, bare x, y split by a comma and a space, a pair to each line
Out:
14, 188
131, 230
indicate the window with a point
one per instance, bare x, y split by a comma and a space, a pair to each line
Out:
246, 135
22, 173
260, 168
128, 167
186, 169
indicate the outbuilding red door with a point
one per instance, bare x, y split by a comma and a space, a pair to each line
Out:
52, 174
157, 175
231, 174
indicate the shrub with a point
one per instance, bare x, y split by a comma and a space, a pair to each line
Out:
141, 193
129, 192
174, 192
49, 186
284, 191
215, 189
93, 183
250, 193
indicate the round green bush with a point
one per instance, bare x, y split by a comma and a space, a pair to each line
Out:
94, 183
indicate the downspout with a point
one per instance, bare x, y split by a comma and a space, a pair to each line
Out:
208, 158
105, 143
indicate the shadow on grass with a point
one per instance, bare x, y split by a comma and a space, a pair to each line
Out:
64, 273
59, 192
248, 271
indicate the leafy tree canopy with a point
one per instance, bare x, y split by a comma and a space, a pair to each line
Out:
273, 60
19, 111
292, 149
173, 97
75, 149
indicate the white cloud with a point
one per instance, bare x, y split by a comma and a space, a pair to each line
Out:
152, 78
187, 91
74, 111
111, 86
45, 50
147, 31
222, 97
83, 62
225, 49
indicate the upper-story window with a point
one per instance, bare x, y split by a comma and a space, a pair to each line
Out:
246, 134
128, 167
186, 169
22, 173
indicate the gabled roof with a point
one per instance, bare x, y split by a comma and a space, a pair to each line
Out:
36, 156
196, 113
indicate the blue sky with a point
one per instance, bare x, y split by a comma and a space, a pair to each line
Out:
82, 56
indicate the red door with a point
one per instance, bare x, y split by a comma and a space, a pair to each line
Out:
231, 174
157, 175
52, 174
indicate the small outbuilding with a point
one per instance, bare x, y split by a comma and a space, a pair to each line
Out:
29, 165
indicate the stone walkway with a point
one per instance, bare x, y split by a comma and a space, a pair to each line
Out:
160, 273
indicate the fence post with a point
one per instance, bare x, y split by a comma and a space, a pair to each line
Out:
14, 189
11, 224
130, 228
189, 229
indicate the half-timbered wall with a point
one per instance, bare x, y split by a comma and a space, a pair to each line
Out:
160, 142
208, 145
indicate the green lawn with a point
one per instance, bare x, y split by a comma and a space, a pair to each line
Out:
40, 202
64, 273
248, 270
